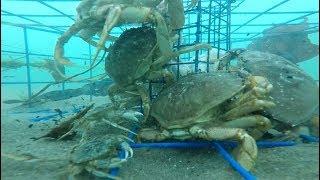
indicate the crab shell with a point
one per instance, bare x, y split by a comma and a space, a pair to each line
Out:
127, 61
95, 148
295, 93
181, 104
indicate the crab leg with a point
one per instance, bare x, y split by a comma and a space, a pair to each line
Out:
164, 73
246, 152
86, 35
246, 97
230, 55
113, 88
176, 13
112, 18
145, 99
59, 51
162, 33
153, 134
259, 84
100, 173
260, 124
248, 107
165, 59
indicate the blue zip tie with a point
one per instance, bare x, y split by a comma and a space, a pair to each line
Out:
309, 138
204, 144
115, 171
38, 111
121, 154
45, 118
172, 145
243, 172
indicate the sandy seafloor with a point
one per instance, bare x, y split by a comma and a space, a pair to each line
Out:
295, 162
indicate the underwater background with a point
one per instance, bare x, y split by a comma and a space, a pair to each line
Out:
29, 32
41, 18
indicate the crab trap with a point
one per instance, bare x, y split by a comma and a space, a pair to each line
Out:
273, 40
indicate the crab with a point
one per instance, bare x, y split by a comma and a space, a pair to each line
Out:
295, 93
104, 132
136, 58
100, 16
290, 41
94, 156
213, 106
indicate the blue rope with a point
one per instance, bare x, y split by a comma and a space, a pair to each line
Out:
243, 172
308, 138
46, 118
207, 144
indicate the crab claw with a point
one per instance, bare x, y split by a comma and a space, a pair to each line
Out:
65, 37
133, 115
127, 149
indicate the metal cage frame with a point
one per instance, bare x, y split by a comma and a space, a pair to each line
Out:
217, 30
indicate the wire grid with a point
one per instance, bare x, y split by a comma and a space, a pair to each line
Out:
209, 22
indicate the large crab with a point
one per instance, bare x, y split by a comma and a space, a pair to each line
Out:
135, 58
100, 16
215, 106
295, 93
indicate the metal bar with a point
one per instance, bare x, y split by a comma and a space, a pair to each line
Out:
189, 33
38, 15
277, 12
50, 0
198, 35
235, 7
18, 82
209, 35
178, 58
37, 54
44, 82
303, 16
49, 6
32, 25
25, 26
32, 21
219, 23
205, 20
214, 26
300, 17
90, 61
310, 31
233, 13
228, 47
260, 14
268, 24
249, 39
26, 46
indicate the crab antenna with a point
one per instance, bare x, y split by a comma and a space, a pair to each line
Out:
118, 126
